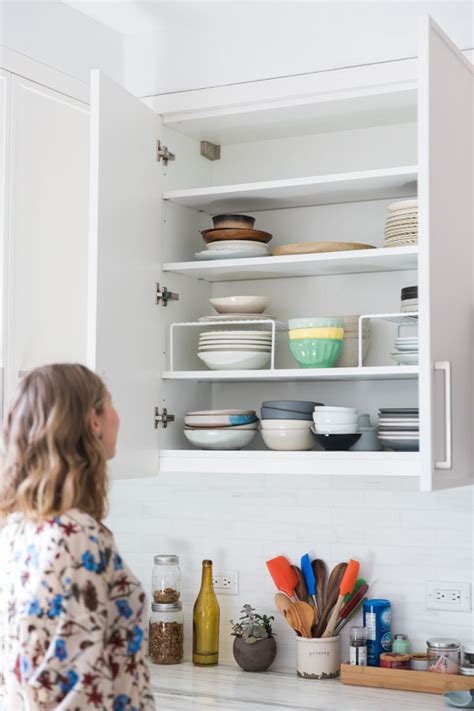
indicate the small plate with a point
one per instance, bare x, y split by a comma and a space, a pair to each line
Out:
234, 317
244, 254
411, 204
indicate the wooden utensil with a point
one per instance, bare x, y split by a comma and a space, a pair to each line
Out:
320, 572
318, 247
300, 591
282, 602
332, 593
346, 586
217, 235
283, 576
309, 579
301, 616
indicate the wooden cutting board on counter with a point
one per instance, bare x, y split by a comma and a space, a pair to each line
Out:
319, 247
425, 682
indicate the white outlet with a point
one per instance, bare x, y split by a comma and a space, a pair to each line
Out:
455, 597
226, 583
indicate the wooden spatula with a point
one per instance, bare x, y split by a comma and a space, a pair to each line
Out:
320, 572
300, 591
332, 594
283, 576
347, 586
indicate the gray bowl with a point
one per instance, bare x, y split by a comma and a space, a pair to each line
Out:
298, 405
288, 410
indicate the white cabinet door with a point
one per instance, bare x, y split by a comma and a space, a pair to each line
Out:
125, 209
446, 260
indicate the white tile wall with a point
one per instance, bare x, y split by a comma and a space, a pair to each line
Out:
402, 537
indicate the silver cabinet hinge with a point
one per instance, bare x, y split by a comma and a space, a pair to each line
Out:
162, 418
163, 295
211, 151
163, 154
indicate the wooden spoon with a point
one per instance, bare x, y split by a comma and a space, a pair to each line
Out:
320, 572
307, 613
332, 593
282, 602
301, 591
346, 588
299, 618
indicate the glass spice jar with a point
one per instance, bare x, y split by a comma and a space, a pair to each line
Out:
166, 634
444, 655
166, 579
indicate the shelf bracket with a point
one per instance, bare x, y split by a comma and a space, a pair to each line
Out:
162, 418
211, 151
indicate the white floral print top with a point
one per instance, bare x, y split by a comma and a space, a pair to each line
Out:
73, 619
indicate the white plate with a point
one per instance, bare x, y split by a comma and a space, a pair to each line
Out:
234, 347
236, 334
243, 254
249, 304
403, 205
235, 360
231, 244
406, 348
234, 317
405, 358
230, 341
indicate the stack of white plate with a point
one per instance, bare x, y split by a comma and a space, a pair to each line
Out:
406, 350
233, 249
399, 428
401, 225
235, 350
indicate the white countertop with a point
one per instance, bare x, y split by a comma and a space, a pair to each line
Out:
183, 687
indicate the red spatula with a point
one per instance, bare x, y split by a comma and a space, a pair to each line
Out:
347, 586
283, 576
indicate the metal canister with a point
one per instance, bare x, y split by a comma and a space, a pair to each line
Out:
444, 655
378, 620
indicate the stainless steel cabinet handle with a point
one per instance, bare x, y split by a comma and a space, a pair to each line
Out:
446, 463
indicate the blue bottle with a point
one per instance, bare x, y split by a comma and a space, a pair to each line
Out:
378, 621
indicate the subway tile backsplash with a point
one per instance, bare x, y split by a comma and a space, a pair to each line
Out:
402, 537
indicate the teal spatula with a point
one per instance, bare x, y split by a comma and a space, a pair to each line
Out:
310, 580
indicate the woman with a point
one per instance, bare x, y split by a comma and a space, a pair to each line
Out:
73, 612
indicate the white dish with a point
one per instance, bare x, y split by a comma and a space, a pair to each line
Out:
329, 408
285, 424
299, 440
401, 445
229, 338
210, 419
403, 205
234, 348
229, 245
242, 254
233, 317
406, 347
335, 418
405, 358
220, 438
337, 429
235, 334
236, 342
235, 360
242, 304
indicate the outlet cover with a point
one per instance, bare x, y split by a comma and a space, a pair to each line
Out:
448, 596
226, 583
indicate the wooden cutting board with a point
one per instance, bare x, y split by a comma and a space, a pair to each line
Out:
219, 235
319, 247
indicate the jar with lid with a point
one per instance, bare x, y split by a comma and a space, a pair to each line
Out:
401, 644
444, 655
166, 580
166, 633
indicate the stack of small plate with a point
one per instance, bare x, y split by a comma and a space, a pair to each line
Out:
406, 350
233, 249
409, 299
233, 237
235, 350
399, 428
401, 225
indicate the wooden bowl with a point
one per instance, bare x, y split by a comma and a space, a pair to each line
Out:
233, 221
226, 234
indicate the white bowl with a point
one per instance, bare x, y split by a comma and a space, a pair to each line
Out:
234, 348
329, 408
240, 304
335, 418
235, 360
220, 439
289, 440
285, 424
337, 429
211, 419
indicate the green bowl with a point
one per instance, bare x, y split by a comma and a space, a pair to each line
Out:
316, 352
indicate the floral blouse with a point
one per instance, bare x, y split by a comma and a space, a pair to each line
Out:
73, 622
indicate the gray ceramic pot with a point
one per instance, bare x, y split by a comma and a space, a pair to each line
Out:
255, 657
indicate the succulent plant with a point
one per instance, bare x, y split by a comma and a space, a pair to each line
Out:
252, 627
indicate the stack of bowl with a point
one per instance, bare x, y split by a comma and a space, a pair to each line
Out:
350, 353
233, 237
221, 429
409, 299
316, 342
286, 425
235, 350
336, 428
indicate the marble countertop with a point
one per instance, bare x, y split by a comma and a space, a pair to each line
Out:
183, 687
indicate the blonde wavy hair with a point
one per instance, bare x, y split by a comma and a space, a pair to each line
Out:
52, 460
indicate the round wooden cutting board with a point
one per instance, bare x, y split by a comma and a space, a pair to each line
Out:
319, 247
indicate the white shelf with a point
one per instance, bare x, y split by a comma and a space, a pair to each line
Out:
407, 372
289, 463
300, 192
355, 262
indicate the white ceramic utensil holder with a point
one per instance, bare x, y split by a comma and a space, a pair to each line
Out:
318, 658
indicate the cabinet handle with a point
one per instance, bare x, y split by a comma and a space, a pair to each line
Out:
447, 463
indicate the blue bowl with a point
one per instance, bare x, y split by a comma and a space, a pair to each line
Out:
460, 699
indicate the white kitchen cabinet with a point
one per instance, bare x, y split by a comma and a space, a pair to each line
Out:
319, 158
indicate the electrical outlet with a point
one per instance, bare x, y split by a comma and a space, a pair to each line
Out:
455, 597
226, 583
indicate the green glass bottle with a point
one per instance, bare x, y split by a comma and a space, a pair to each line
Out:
206, 621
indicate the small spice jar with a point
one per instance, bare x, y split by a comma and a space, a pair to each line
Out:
166, 579
358, 648
394, 660
166, 633
401, 644
444, 655
468, 655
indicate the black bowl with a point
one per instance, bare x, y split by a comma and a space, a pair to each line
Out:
337, 442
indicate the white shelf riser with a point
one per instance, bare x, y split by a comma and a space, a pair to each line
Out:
292, 374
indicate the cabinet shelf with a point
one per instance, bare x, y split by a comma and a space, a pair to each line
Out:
300, 192
408, 372
289, 463
357, 262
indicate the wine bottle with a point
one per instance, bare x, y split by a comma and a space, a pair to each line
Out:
206, 621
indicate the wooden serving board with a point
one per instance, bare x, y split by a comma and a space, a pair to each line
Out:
319, 247
425, 682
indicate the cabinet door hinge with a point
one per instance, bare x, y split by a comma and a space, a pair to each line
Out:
163, 295
163, 154
162, 418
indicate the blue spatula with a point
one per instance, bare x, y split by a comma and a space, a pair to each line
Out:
310, 580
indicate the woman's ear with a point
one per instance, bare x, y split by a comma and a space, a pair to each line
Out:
95, 423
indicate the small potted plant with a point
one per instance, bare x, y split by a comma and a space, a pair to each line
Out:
254, 645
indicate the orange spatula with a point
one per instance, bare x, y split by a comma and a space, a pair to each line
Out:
283, 576
347, 586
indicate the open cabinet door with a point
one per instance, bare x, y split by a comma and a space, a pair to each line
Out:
445, 145
125, 204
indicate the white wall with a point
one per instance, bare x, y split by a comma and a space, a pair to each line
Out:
201, 44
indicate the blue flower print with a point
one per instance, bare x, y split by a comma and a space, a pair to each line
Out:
56, 606
136, 641
24, 666
35, 607
60, 649
102, 562
123, 608
120, 702
118, 563
88, 561
69, 682
93, 538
